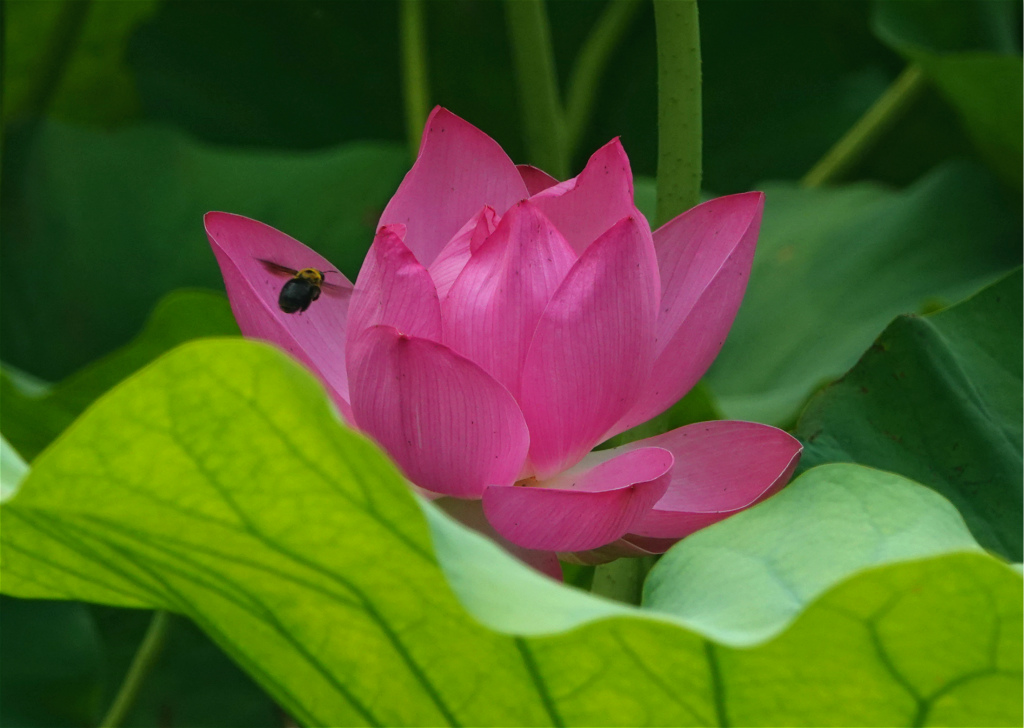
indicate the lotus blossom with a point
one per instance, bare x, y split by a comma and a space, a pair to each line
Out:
503, 324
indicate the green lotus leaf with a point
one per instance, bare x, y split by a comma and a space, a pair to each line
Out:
218, 483
937, 398
834, 266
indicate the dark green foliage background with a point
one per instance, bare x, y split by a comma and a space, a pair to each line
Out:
117, 205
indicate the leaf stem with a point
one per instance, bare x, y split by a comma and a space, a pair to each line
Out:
623, 579
142, 663
591, 64
877, 120
679, 106
543, 119
412, 28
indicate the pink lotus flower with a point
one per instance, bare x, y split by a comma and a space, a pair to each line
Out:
503, 324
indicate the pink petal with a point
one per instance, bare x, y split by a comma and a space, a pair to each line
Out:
315, 337
583, 208
459, 170
593, 347
393, 289
454, 256
444, 420
536, 180
470, 512
704, 258
721, 468
491, 312
597, 502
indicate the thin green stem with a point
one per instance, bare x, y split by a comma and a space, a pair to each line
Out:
142, 663
413, 31
591, 64
59, 49
622, 580
875, 122
543, 119
679, 106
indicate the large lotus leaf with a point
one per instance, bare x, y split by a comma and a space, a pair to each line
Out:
32, 419
834, 266
218, 483
193, 683
971, 53
97, 226
938, 398
92, 85
831, 522
927, 637
13, 469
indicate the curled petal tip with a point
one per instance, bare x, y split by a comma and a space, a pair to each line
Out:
215, 218
318, 338
723, 467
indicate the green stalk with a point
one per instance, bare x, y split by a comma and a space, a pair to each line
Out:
413, 33
543, 118
679, 107
142, 663
883, 114
591, 63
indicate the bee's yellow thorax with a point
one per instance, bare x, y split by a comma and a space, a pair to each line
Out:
312, 275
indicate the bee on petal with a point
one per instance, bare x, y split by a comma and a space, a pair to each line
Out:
302, 288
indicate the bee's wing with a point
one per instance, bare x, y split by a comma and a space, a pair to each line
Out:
275, 268
333, 289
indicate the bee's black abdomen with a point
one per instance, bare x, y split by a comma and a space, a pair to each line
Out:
296, 295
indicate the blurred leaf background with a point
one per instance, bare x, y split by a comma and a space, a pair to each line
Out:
125, 120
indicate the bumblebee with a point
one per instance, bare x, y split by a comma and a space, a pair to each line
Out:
302, 288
